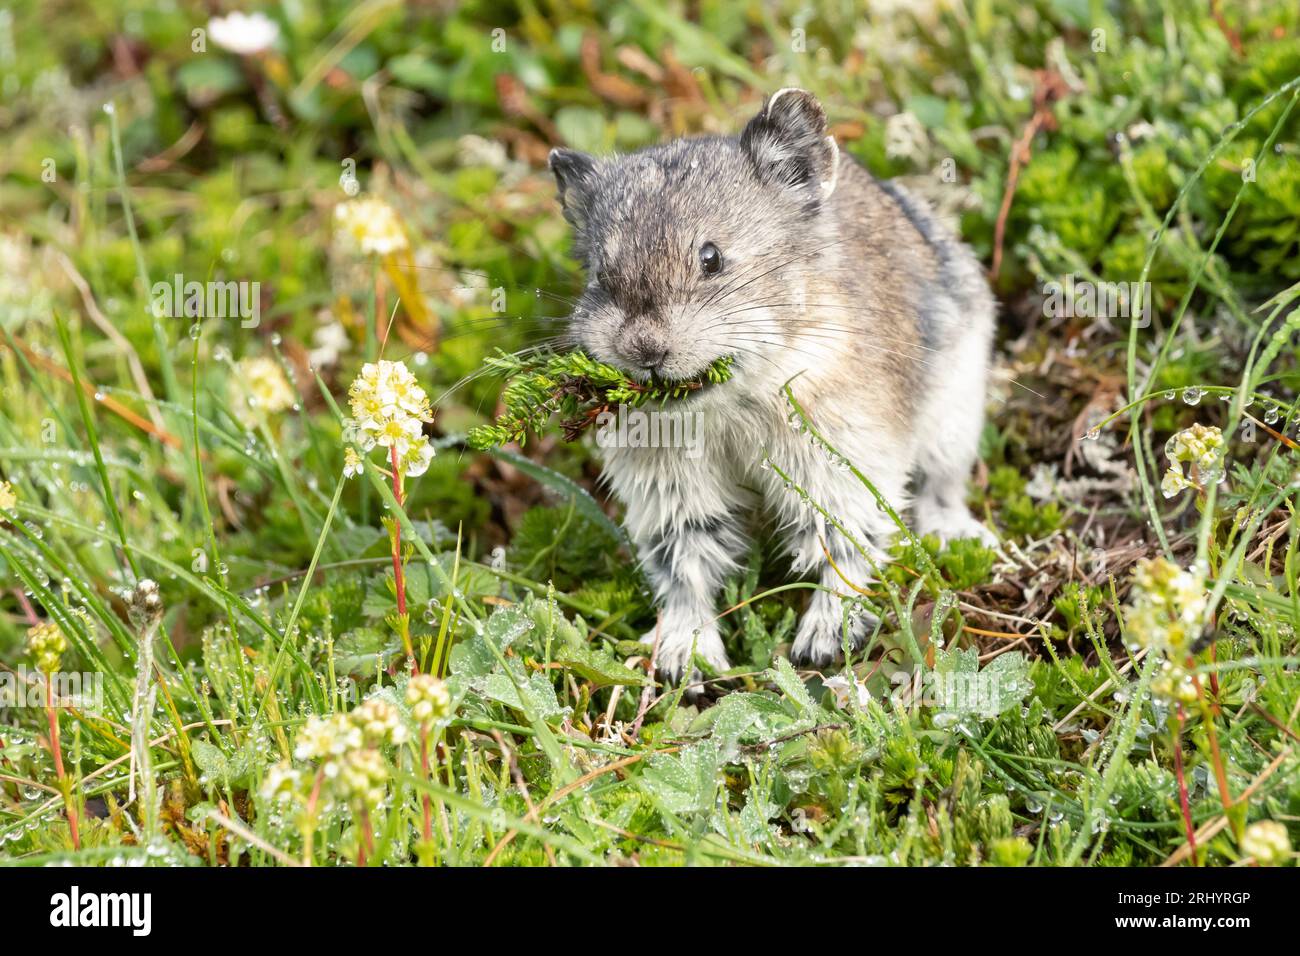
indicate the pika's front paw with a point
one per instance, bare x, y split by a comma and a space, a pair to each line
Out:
675, 646
953, 524
818, 641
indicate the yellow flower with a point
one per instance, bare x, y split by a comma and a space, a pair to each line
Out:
8, 500
372, 225
259, 387
46, 644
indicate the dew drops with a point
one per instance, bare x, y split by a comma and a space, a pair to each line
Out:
1192, 395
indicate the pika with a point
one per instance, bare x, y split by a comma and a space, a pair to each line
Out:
775, 249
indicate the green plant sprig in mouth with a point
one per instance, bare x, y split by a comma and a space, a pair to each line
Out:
577, 388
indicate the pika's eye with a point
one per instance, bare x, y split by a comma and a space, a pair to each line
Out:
710, 259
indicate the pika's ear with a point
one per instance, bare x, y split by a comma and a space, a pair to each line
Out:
789, 145
574, 173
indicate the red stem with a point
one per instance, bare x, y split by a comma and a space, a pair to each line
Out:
1214, 682
367, 842
398, 577
381, 308
68, 800
1182, 786
428, 801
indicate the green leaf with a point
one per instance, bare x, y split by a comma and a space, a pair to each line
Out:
745, 718
418, 71
683, 782
960, 688
474, 658
598, 666
784, 677
364, 650
581, 128
534, 698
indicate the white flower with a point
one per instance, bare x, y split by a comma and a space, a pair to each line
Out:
1174, 481
325, 738
418, 458
379, 722
842, 687
8, 500
1200, 446
905, 137
389, 409
1267, 841
282, 784
1166, 614
244, 33
362, 776
328, 342
259, 384
352, 464
372, 225
46, 644
428, 698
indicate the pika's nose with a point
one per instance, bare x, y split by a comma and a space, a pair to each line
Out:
652, 355
646, 351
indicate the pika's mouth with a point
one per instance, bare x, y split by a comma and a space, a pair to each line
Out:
578, 388
716, 372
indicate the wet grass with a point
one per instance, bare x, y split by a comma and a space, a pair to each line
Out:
1109, 710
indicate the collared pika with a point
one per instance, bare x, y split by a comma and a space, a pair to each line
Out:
775, 249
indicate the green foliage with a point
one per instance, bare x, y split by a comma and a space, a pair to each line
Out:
577, 388
280, 597
962, 563
1019, 515
562, 546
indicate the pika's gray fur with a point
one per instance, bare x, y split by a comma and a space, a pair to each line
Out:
845, 286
